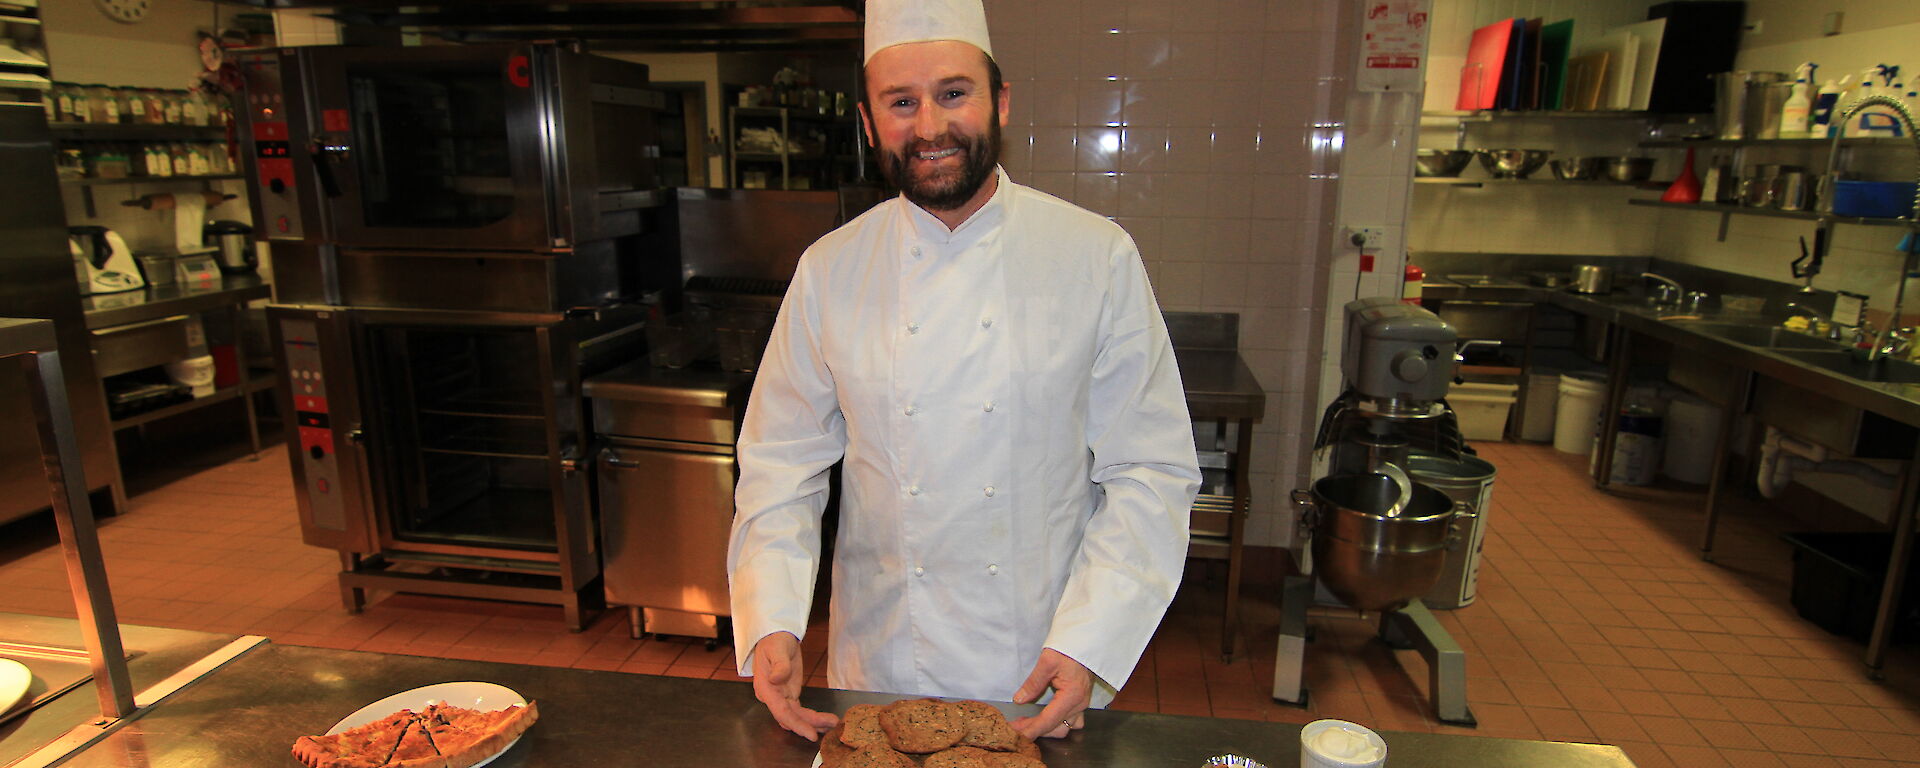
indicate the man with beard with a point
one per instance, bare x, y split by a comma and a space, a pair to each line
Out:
990, 362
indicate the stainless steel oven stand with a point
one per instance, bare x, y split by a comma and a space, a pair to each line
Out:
1410, 627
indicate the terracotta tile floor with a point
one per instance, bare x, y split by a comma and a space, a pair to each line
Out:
1596, 622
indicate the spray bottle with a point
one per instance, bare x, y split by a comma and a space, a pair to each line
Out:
1796, 113
1824, 104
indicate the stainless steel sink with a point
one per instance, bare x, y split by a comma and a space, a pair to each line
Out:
1763, 336
1850, 363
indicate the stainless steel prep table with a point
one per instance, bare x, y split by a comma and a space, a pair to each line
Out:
157, 653
1629, 315
250, 711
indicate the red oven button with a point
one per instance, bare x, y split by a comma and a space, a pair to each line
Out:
322, 485
283, 224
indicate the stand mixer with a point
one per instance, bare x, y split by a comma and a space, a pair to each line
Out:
1378, 539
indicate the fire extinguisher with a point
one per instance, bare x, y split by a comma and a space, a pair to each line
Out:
1410, 285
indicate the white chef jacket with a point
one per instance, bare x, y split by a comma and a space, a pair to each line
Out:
1019, 460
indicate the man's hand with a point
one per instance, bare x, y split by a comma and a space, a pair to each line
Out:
1072, 685
777, 678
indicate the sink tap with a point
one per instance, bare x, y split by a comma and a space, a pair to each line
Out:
1669, 291
1894, 337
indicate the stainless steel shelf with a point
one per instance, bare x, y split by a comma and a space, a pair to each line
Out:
136, 132
1867, 141
1548, 181
1548, 114
1776, 213
254, 383
147, 180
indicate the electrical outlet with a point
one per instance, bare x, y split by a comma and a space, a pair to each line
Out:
1366, 238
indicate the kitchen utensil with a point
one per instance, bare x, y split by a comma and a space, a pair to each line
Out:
1441, 163
1627, 170
1369, 559
1873, 199
1575, 168
1756, 188
235, 243
1592, 279
1730, 100
1685, 187
1512, 163
157, 267
103, 264
1719, 186
1764, 101
1790, 190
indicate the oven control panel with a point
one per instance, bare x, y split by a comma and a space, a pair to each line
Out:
318, 462
270, 149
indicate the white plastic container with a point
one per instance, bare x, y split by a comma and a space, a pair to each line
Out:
1482, 408
1693, 429
193, 372
1577, 413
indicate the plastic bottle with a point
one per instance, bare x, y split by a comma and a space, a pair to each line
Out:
1823, 105
1798, 111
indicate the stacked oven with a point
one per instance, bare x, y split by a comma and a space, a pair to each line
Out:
459, 235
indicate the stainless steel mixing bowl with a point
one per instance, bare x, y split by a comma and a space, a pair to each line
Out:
1575, 168
1628, 170
1512, 163
1372, 561
1441, 163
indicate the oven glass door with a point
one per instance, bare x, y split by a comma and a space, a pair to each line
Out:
437, 147
468, 438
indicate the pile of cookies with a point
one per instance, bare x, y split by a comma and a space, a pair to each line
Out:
927, 733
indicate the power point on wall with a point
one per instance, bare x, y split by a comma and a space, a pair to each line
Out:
1830, 25
1757, 27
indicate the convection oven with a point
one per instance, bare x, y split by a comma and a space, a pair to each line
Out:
459, 236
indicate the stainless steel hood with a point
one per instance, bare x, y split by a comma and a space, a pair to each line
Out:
614, 25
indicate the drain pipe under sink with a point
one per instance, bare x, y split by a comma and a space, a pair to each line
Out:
1781, 456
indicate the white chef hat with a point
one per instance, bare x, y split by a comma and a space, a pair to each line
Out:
893, 22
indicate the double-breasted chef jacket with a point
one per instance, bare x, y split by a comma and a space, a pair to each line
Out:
1020, 464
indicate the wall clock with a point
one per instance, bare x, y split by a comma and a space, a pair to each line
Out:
125, 11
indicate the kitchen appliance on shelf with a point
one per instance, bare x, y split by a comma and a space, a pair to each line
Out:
460, 235
233, 244
1375, 538
102, 262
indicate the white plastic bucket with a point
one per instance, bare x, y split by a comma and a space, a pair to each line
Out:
194, 372
1578, 412
1692, 432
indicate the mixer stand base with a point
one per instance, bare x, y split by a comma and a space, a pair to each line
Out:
1411, 627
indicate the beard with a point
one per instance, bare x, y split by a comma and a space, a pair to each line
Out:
944, 189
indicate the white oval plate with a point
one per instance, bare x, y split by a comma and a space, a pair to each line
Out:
14, 682
485, 697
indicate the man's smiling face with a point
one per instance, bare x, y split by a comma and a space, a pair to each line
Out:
934, 121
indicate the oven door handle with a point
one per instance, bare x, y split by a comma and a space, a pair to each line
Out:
322, 156
612, 458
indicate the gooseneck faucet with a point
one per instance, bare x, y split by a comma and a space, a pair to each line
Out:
1893, 339
1660, 298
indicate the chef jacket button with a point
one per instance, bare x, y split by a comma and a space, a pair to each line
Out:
913, 490
910, 410
913, 327
986, 322
917, 571
993, 570
915, 251
987, 406
988, 490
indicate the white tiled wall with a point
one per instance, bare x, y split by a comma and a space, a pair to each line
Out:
1189, 123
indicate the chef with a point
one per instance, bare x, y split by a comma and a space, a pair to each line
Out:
990, 362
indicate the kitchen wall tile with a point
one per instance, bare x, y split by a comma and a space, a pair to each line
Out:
1189, 149
1097, 149
1234, 104
1193, 54
1016, 148
1097, 192
1144, 149
1148, 102
1139, 194
1151, 15
1283, 149
1185, 238
1295, 16
1145, 231
1055, 56
1100, 16
1058, 184
1238, 56
1281, 195
1014, 53
1101, 102
1230, 195
1179, 283
1054, 148
1103, 56
1183, 194
1223, 288
1227, 244
1050, 102
1236, 149
1188, 100
1240, 16
1149, 56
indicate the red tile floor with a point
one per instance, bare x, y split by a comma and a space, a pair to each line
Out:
1595, 622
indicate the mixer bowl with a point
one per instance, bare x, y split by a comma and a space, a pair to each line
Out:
1370, 561
1512, 163
1628, 170
1441, 163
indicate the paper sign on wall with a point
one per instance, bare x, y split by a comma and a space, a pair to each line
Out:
1393, 45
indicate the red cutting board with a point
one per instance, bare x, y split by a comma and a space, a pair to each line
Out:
1486, 61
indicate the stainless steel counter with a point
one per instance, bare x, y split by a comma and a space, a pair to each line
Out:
157, 653
249, 713
157, 301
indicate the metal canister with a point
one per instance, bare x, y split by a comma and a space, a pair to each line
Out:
1592, 278
1791, 191
1465, 479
